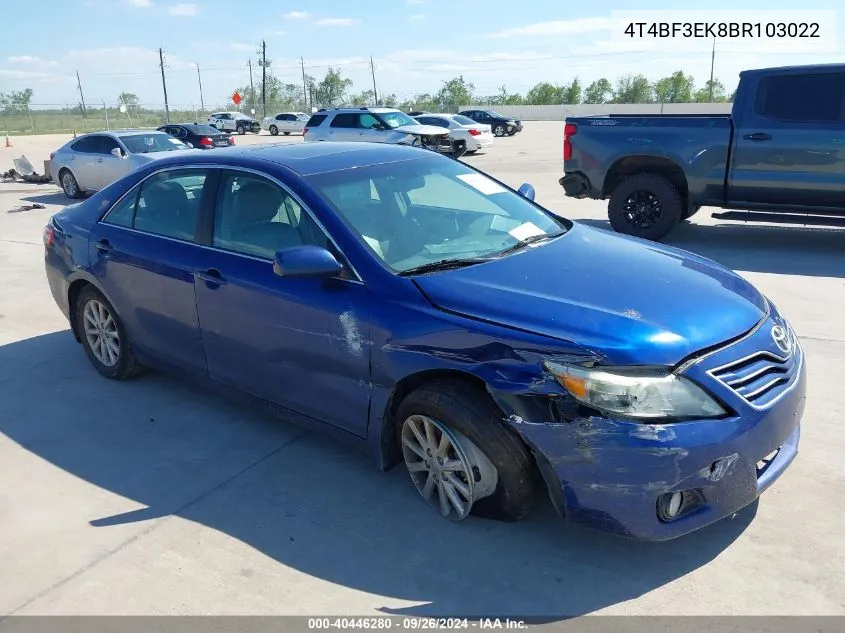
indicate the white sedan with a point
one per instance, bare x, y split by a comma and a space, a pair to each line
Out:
477, 135
286, 123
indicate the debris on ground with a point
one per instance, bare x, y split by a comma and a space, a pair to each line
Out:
26, 207
24, 171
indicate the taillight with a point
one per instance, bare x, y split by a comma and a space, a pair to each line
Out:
49, 235
231, 140
570, 130
474, 133
206, 141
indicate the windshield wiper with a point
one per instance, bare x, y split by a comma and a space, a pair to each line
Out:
528, 240
443, 264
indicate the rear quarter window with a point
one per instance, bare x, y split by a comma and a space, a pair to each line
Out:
316, 120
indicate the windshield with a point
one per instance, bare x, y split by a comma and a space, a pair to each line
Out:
419, 212
463, 120
397, 119
148, 143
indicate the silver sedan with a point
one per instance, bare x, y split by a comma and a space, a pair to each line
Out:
93, 161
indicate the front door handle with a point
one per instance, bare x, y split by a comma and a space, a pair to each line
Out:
212, 276
757, 136
104, 246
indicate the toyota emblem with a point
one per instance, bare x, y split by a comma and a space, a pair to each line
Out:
780, 335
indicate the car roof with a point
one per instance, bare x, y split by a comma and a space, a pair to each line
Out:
361, 109
307, 159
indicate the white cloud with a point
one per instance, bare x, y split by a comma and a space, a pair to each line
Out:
417, 17
139, 3
24, 59
579, 26
242, 47
297, 15
184, 8
337, 22
416, 1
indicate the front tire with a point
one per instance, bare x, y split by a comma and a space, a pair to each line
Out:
274, 130
241, 130
499, 130
480, 468
103, 336
645, 205
69, 184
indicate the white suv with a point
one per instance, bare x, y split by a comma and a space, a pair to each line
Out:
234, 122
379, 125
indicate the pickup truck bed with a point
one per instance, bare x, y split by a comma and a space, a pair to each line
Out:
782, 150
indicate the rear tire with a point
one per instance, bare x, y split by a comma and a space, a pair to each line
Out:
103, 336
645, 205
241, 130
274, 130
471, 413
69, 184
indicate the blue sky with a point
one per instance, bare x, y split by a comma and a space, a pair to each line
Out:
416, 44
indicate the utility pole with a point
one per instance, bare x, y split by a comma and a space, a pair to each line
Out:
199, 78
373, 71
264, 76
712, 63
304, 85
164, 84
251, 87
81, 97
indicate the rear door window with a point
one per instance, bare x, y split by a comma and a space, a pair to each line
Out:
809, 98
345, 120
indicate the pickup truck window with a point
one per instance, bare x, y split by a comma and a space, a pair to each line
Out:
809, 98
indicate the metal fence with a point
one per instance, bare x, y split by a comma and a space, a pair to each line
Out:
560, 112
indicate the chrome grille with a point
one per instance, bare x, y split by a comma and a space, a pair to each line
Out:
762, 377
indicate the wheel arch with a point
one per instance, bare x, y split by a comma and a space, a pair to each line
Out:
75, 288
632, 165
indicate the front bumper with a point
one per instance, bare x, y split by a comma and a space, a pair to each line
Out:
610, 474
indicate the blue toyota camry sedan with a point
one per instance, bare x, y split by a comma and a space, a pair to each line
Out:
424, 310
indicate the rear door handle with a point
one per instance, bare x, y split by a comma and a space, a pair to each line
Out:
104, 246
212, 276
757, 136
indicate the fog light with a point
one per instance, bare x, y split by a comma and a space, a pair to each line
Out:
669, 506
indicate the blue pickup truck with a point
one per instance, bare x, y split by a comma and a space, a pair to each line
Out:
779, 153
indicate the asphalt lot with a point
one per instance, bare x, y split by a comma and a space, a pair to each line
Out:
155, 497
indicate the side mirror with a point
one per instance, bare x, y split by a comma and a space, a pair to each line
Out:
117, 152
527, 191
306, 261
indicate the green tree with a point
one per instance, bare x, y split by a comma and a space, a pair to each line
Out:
600, 91
16, 101
544, 93
676, 88
633, 89
718, 94
331, 90
455, 92
365, 98
389, 101
571, 93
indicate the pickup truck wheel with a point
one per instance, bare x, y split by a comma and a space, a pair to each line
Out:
644, 205
461, 457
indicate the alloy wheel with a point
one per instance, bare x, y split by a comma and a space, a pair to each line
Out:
69, 184
448, 471
101, 333
642, 209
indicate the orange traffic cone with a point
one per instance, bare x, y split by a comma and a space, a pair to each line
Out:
8, 142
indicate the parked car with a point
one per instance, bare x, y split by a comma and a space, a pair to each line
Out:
379, 125
475, 135
198, 136
286, 123
234, 122
421, 311
779, 152
500, 124
92, 161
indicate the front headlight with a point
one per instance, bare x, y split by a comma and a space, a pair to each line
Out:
643, 395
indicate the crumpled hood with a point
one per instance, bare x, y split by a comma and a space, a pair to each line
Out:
422, 130
634, 302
